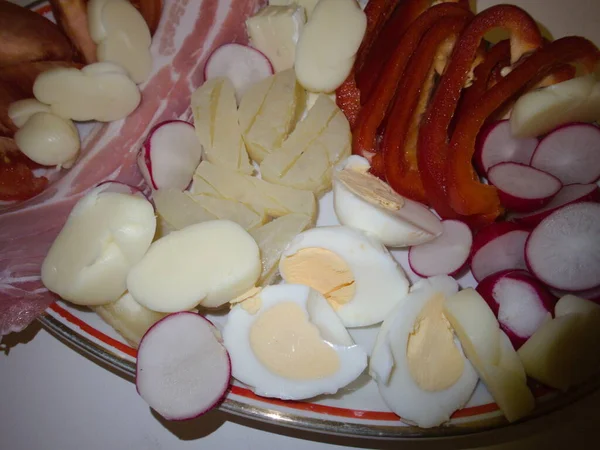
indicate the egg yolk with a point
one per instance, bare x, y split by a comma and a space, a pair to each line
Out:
434, 360
290, 346
322, 270
371, 189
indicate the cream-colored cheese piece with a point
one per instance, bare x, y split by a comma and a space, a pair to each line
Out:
216, 121
306, 158
21, 110
269, 111
322, 270
261, 196
49, 140
274, 31
327, 48
285, 341
434, 361
104, 236
122, 36
100, 91
273, 237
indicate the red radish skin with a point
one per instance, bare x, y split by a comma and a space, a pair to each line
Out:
568, 195
522, 188
447, 254
183, 369
519, 301
563, 251
170, 155
495, 144
242, 64
571, 153
499, 246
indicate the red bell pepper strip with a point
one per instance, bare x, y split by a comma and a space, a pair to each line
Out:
17, 181
433, 143
466, 194
348, 95
374, 110
384, 47
399, 139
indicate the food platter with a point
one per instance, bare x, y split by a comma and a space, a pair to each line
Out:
357, 410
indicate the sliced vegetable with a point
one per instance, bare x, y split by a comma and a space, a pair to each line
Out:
170, 155
445, 255
243, 65
570, 194
497, 247
523, 188
482, 341
571, 153
540, 111
496, 144
520, 302
183, 369
562, 251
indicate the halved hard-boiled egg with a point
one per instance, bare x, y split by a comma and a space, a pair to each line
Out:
354, 272
363, 201
417, 362
285, 341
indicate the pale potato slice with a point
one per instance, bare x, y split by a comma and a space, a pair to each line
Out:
269, 111
261, 196
180, 209
306, 158
216, 121
273, 238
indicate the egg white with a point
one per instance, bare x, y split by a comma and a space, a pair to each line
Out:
379, 281
247, 369
389, 365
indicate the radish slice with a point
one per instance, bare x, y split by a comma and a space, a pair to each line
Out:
562, 251
496, 144
519, 301
446, 254
570, 194
170, 155
592, 295
571, 153
523, 188
183, 369
497, 247
243, 65
121, 188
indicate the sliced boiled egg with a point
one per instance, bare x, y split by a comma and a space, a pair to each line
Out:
354, 272
363, 201
285, 341
417, 362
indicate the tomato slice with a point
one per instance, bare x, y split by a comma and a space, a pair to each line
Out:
17, 180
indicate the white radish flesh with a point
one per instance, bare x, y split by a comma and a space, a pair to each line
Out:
446, 254
523, 188
519, 301
170, 155
593, 295
104, 236
570, 194
209, 263
571, 153
243, 65
563, 250
496, 144
497, 247
538, 112
183, 369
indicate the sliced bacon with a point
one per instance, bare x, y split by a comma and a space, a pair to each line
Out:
187, 34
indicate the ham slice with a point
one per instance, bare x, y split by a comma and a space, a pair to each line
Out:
188, 32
